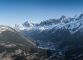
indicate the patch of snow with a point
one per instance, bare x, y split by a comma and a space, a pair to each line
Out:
46, 45
5, 28
52, 55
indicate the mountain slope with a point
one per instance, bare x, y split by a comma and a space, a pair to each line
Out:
14, 46
9, 34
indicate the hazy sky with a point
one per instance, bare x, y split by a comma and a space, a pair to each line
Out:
19, 11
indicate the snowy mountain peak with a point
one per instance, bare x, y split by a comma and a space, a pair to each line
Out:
29, 23
63, 17
72, 24
80, 15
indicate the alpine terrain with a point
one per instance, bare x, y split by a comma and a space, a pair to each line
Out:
15, 46
63, 37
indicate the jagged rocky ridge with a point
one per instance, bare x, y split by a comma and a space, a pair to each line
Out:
72, 24
63, 36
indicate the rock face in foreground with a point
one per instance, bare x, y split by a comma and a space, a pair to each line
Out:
14, 46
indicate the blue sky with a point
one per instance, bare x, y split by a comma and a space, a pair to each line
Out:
18, 11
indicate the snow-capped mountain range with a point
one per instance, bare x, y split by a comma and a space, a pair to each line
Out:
63, 35
72, 24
